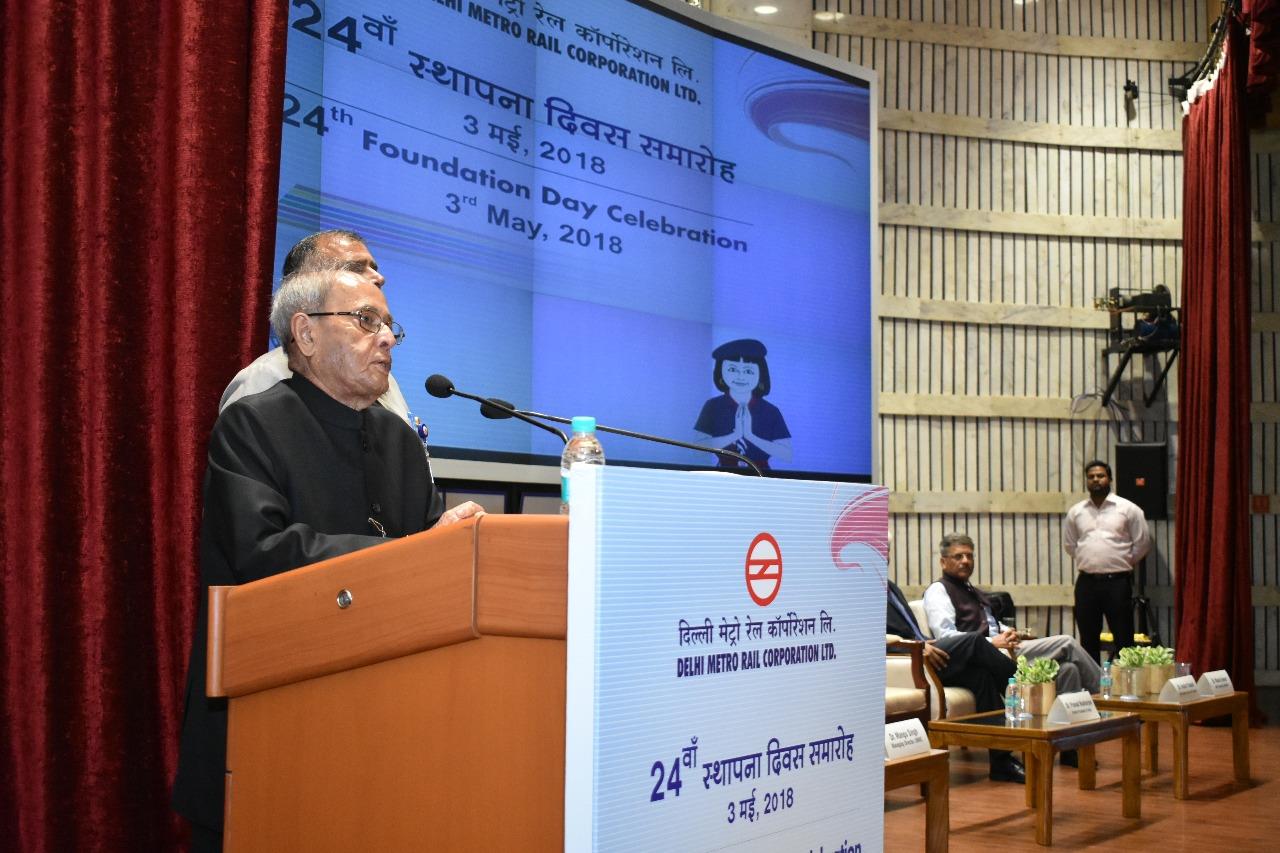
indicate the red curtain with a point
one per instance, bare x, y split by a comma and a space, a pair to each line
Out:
138, 176
1264, 54
1212, 550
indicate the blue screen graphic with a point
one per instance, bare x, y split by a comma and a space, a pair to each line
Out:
577, 202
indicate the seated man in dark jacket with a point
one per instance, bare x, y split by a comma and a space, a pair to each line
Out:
962, 660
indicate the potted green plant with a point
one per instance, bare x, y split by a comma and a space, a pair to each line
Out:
1037, 681
1159, 667
1127, 673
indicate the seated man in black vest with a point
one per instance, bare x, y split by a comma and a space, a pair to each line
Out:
962, 660
955, 606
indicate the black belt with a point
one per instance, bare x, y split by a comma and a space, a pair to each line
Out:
1107, 576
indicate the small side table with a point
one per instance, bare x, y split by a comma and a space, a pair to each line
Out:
931, 769
1040, 741
1179, 717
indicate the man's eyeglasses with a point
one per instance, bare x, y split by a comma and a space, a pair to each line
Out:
368, 320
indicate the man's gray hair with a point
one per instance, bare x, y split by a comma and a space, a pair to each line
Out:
300, 293
950, 539
305, 254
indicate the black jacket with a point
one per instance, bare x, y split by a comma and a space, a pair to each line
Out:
294, 477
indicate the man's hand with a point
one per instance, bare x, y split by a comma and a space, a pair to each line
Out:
936, 657
1006, 640
460, 512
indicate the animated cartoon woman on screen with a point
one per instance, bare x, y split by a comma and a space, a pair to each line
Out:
741, 419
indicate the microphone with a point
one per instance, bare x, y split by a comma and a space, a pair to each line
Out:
442, 386
498, 409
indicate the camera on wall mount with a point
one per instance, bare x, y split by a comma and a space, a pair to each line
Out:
1155, 329
1155, 319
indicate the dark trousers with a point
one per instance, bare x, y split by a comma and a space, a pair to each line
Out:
981, 668
205, 840
977, 665
1104, 595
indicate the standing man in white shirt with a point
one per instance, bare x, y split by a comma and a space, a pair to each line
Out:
334, 249
1107, 536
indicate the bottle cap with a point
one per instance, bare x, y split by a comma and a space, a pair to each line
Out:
581, 423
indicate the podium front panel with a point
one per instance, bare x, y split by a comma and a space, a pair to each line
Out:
725, 679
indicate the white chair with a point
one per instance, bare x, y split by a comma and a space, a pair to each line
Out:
906, 692
945, 701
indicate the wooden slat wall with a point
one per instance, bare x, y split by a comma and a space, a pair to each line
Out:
1013, 177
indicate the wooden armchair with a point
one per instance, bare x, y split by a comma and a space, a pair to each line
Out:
906, 691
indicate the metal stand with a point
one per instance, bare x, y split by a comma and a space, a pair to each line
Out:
1144, 618
1127, 350
1161, 335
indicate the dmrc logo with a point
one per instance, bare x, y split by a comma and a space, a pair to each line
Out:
764, 569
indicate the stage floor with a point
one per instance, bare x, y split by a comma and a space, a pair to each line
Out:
1219, 813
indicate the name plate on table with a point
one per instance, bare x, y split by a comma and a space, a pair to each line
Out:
1215, 683
1181, 689
1075, 707
904, 738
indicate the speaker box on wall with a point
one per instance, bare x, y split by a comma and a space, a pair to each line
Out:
1142, 476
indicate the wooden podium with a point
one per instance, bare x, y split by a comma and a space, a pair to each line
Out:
427, 714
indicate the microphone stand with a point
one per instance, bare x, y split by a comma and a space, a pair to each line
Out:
503, 406
445, 389
1145, 621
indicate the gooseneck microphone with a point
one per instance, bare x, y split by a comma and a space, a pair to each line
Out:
498, 409
442, 386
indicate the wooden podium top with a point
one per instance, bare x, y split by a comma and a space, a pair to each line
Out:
491, 575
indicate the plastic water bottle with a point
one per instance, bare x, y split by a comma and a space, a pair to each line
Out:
421, 429
584, 448
1104, 684
1012, 701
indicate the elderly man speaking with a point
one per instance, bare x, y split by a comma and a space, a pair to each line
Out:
304, 471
